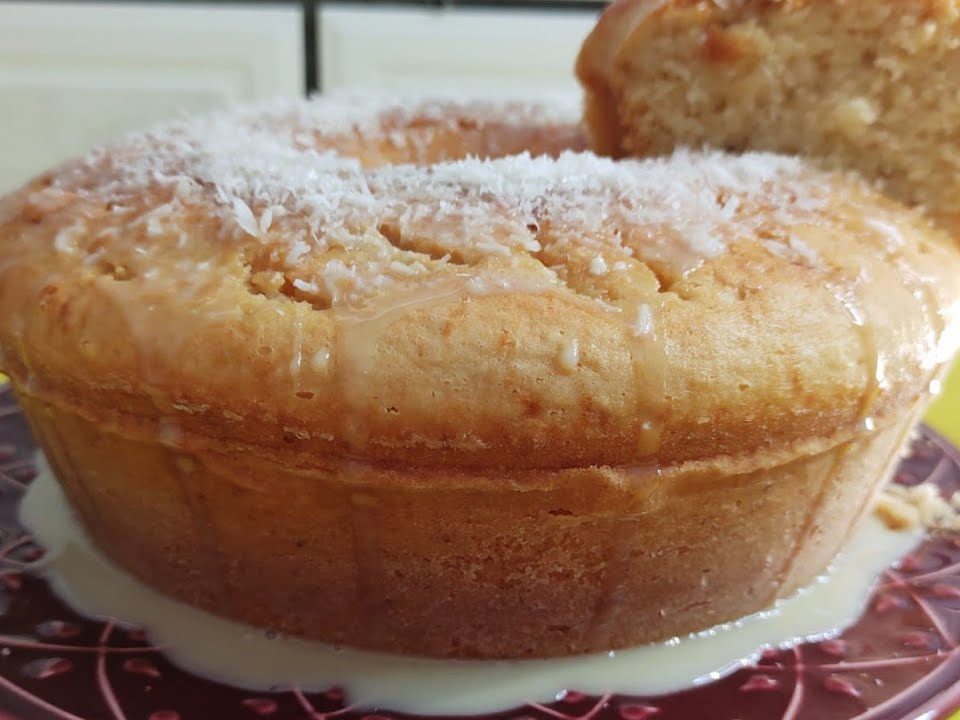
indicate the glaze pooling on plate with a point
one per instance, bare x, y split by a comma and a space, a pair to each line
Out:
899, 660
248, 657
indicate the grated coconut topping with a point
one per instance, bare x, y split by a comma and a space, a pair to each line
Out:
309, 194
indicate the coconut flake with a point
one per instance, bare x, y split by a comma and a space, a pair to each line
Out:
244, 217
255, 165
643, 321
598, 266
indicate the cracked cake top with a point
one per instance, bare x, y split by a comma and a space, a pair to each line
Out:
443, 281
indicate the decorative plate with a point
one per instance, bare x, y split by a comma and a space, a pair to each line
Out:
900, 661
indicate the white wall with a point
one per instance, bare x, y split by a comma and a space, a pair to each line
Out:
422, 49
75, 74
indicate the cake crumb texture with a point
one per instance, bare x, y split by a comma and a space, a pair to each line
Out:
870, 86
906, 507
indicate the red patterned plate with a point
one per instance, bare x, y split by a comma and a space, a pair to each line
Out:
899, 661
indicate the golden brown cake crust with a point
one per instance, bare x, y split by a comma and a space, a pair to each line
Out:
444, 561
226, 277
465, 407
866, 86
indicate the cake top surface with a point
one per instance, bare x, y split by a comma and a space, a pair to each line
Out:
343, 229
368, 273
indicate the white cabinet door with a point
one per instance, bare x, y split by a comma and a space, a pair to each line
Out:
75, 74
422, 49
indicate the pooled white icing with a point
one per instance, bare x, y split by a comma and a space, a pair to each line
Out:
248, 657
